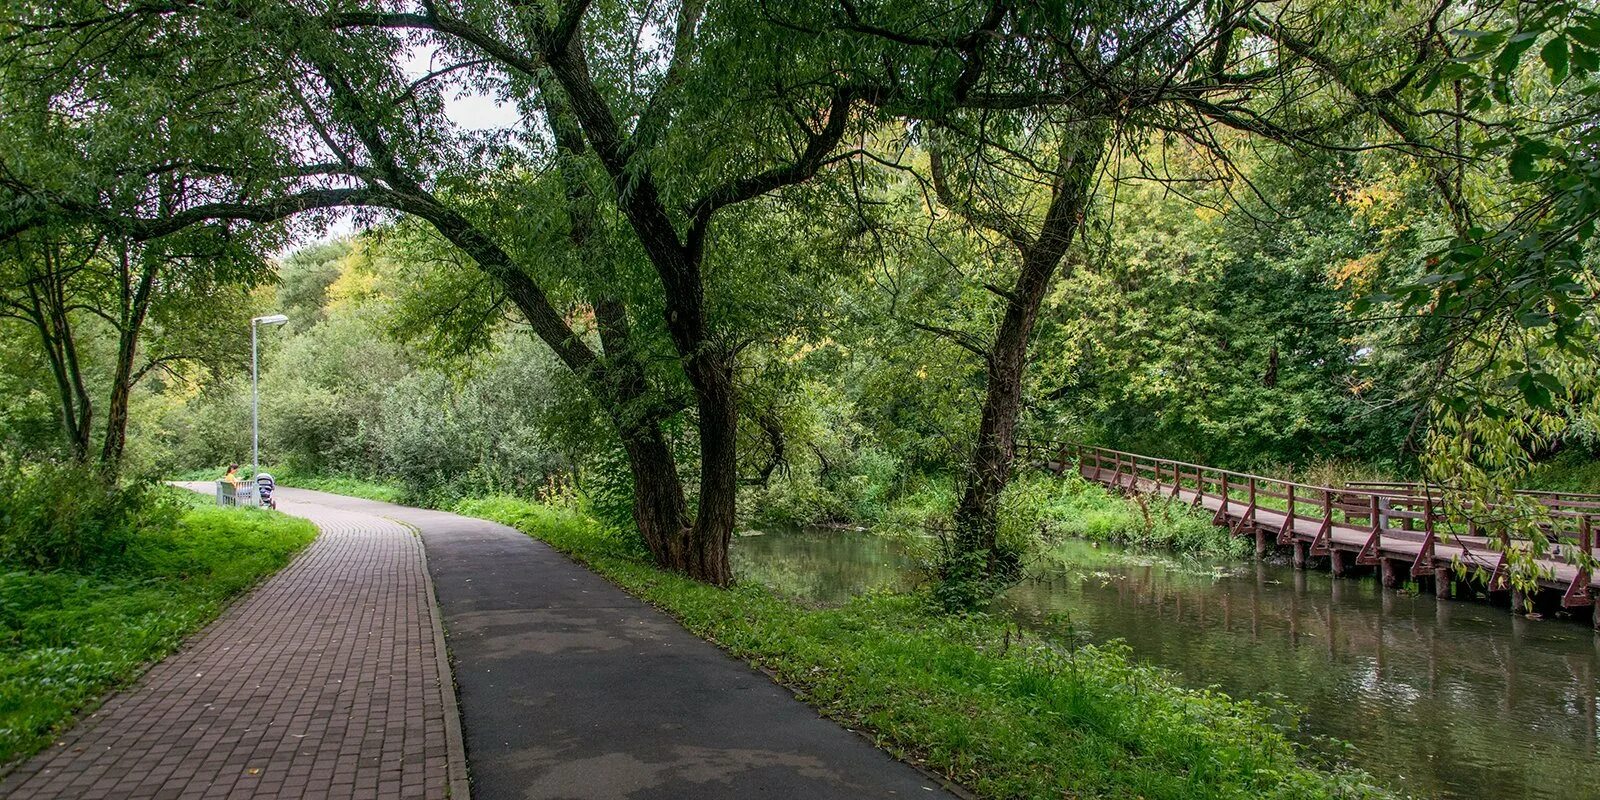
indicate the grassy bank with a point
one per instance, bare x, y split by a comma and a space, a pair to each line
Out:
67, 637
1002, 711
348, 485
1069, 506
1039, 509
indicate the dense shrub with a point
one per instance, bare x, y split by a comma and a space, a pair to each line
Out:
62, 516
860, 487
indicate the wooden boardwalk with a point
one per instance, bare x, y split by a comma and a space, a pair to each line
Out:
1401, 529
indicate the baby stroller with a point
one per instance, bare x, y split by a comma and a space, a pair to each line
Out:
264, 491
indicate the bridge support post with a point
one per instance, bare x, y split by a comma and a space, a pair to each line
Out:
1390, 573
1338, 561
1299, 554
1443, 582
1518, 601
1594, 610
1261, 542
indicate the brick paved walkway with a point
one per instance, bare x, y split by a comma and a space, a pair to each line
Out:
325, 682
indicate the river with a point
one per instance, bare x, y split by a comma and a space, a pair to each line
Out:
1435, 698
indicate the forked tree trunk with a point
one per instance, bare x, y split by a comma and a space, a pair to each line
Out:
698, 549
46, 310
978, 554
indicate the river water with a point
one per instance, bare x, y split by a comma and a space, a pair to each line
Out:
1435, 698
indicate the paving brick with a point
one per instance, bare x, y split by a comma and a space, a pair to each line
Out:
335, 655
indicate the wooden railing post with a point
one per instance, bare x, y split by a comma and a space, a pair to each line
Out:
1370, 550
1225, 490
1286, 533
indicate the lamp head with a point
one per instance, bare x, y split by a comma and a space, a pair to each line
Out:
274, 319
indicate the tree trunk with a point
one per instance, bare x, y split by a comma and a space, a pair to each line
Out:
698, 549
704, 556
116, 437
659, 509
978, 556
77, 411
46, 310
135, 309
772, 427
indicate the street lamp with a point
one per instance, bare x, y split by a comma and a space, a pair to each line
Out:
255, 393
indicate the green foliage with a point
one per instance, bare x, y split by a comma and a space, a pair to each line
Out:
1008, 713
1215, 328
927, 503
858, 488
1037, 509
1504, 312
1577, 470
66, 638
1071, 506
342, 399
60, 516
563, 523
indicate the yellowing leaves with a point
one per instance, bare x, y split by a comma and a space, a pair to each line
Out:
1374, 201
1358, 272
358, 278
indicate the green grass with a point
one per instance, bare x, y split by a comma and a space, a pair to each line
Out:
1005, 712
1071, 506
350, 485
67, 638
1575, 472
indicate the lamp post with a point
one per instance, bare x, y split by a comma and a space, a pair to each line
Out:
255, 393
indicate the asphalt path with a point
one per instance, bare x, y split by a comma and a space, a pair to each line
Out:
571, 688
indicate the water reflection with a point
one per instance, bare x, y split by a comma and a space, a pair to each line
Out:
1436, 698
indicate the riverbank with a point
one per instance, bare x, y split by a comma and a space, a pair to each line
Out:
68, 637
1001, 710
1038, 509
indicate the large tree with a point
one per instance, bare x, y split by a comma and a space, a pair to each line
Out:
1042, 101
289, 109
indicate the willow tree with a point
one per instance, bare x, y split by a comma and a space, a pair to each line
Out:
1048, 93
278, 110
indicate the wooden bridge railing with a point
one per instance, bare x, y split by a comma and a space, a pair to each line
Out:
1367, 512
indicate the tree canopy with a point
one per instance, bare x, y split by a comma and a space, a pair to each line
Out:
1236, 230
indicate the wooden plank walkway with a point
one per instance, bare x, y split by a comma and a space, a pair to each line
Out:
1398, 528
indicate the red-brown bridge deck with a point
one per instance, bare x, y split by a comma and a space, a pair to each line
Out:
1373, 522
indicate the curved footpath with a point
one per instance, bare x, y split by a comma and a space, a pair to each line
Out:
568, 688
327, 681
